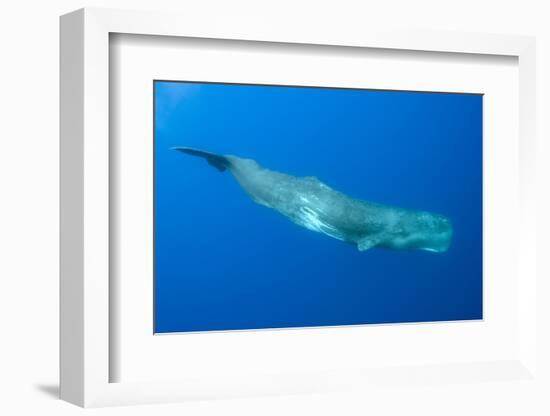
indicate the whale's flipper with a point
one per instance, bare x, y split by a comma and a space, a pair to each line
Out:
369, 242
219, 162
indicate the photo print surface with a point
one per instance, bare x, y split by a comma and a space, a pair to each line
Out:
288, 206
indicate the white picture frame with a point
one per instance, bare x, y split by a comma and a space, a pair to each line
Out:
85, 185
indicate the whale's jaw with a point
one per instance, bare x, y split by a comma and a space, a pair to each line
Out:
439, 243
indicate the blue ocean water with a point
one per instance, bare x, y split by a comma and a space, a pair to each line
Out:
223, 262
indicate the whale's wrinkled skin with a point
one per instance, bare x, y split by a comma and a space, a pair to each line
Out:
310, 203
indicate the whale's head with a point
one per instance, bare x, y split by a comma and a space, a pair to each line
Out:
432, 232
423, 231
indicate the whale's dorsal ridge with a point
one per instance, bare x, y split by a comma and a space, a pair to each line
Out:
314, 180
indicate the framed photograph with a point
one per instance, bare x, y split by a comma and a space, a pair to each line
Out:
265, 211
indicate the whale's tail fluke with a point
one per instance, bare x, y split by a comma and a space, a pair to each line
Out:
218, 161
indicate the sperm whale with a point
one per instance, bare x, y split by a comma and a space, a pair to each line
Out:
312, 204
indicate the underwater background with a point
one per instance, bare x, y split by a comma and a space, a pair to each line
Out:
222, 262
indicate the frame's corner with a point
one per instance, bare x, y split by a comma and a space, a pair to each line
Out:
72, 14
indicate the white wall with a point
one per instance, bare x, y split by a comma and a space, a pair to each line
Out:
29, 189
